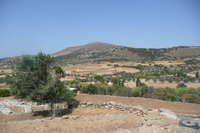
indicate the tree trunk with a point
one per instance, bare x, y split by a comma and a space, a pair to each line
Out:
52, 109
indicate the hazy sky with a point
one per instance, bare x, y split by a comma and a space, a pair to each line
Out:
31, 26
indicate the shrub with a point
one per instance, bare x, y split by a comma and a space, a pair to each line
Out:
154, 79
177, 79
99, 78
169, 79
2, 80
172, 98
4, 92
148, 92
136, 92
161, 79
192, 79
122, 91
185, 80
181, 85
190, 98
91, 89
110, 90
116, 65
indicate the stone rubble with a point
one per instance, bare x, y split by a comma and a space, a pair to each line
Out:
26, 106
152, 118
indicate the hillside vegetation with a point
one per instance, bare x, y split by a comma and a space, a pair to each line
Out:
99, 51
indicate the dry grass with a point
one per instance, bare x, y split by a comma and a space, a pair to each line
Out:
167, 63
99, 69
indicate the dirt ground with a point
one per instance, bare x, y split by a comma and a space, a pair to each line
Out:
99, 69
177, 107
91, 119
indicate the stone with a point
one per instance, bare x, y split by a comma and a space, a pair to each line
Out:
168, 113
89, 103
127, 107
65, 117
150, 109
112, 103
153, 113
49, 118
149, 123
83, 106
74, 117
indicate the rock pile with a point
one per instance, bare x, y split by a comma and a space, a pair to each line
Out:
26, 106
159, 118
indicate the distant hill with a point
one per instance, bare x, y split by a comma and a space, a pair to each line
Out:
99, 51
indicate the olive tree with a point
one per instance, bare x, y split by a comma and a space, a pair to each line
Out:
35, 78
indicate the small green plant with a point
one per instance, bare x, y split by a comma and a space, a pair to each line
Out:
4, 92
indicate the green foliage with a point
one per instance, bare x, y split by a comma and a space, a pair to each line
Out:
192, 62
99, 78
185, 80
148, 92
4, 92
59, 71
2, 80
181, 85
73, 82
68, 95
90, 89
138, 83
136, 92
34, 78
197, 74
190, 98
116, 65
167, 94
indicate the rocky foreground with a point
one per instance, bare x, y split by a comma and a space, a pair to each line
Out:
89, 116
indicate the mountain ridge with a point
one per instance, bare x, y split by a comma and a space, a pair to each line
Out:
101, 51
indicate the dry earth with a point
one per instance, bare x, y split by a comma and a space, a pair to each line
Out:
91, 120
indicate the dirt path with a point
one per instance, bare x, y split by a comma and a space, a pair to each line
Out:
177, 107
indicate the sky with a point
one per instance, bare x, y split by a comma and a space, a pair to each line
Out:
31, 26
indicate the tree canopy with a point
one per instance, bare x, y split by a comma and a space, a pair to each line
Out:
35, 78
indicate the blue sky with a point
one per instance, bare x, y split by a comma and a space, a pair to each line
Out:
31, 26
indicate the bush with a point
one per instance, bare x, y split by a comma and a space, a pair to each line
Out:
116, 65
185, 80
91, 89
190, 98
148, 92
136, 92
172, 98
181, 85
2, 80
161, 79
4, 92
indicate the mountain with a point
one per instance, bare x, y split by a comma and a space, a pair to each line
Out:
99, 51
88, 47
